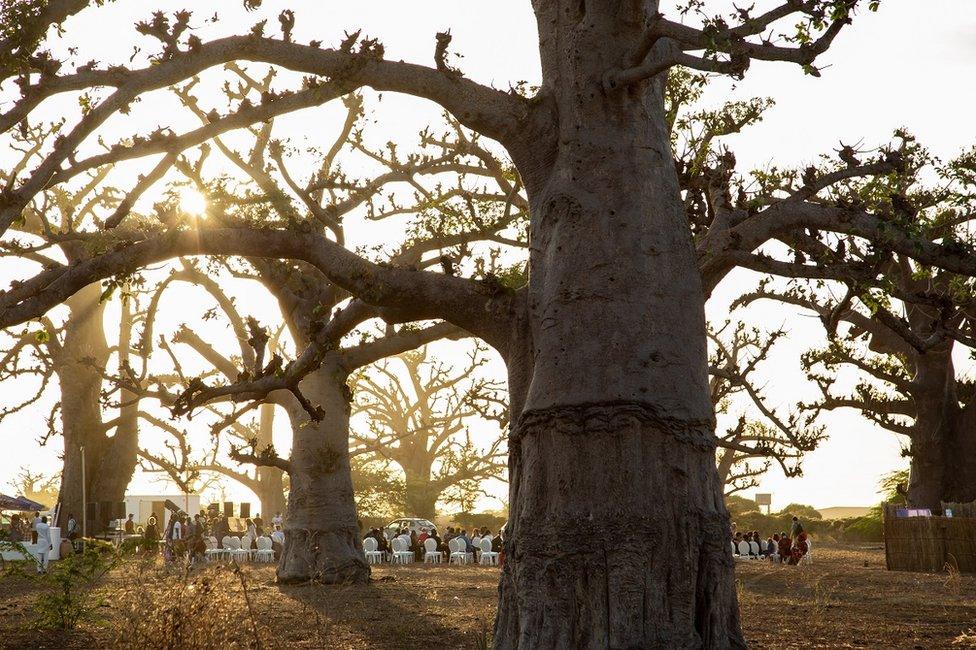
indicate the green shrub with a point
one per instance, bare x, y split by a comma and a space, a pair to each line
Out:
68, 596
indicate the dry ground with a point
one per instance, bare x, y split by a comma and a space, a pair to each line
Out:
845, 599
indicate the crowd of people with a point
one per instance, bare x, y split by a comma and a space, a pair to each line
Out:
780, 547
185, 536
417, 539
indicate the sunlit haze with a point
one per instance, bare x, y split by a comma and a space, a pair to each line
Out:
897, 68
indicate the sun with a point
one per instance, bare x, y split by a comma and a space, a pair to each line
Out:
193, 202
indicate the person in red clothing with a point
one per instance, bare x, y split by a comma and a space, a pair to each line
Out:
785, 547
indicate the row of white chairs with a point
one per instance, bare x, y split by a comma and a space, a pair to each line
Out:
458, 554
239, 548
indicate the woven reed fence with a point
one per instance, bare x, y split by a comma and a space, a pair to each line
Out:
931, 544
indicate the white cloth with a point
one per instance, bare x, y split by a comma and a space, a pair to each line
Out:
177, 530
278, 537
44, 544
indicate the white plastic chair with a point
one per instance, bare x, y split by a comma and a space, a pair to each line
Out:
236, 551
754, 549
488, 556
744, 548
212, 550
432, 554
246, 551
264, 552
456, 547
370, 548
401, 551
476, 542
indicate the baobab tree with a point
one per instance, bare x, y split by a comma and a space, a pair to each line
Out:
74, 350
901, 335
418, 411
605, 346
318, 314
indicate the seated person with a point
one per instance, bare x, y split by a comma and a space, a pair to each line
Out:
785, 547
468, 545
277, 542
799, 549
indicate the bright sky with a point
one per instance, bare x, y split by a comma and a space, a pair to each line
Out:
903, 66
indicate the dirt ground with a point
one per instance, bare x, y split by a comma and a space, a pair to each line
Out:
844, 599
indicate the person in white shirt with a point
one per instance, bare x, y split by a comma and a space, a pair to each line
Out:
278, 536
277, 520
277, 542
44, 544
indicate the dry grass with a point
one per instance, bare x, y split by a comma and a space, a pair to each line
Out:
845, 599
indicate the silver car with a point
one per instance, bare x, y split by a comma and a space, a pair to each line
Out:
410, 523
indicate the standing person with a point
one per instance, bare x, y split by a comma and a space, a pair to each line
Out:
277, 520
16, 532
221, 530
258, 525
43, 533
130, 526
252, 530
72, 527
151, 535
796, 528
36, 520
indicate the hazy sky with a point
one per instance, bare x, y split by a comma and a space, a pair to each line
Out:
904, 66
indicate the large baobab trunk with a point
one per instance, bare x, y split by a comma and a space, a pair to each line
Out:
943, 440
269, 483
420, 496
321, 530
618, 534
109, 460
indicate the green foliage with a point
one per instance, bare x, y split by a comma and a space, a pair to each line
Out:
892, 486
472, 520
380, 493
69, 595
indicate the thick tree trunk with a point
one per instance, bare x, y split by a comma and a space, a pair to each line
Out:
322, 540
960, 472
110, 461
269, 484
618, 533
420, 495
270, 490
943, 441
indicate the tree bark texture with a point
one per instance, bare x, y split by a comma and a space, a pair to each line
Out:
110, 460
943, 440
618, 533
322, 541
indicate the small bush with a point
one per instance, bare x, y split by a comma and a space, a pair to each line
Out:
69, 596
